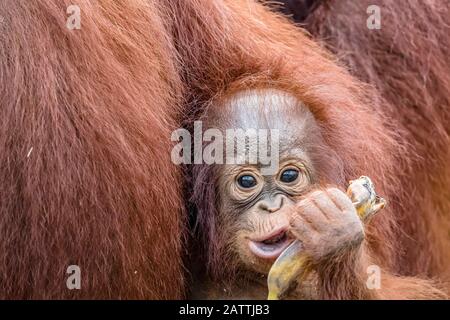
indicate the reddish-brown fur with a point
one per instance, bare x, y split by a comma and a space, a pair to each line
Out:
98, 190
97, 106
396, 131
407, 62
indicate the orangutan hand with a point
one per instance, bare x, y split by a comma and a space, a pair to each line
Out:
327, 224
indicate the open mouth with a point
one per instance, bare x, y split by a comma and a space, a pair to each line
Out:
271, 246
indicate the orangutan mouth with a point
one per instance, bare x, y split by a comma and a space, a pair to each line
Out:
271, 246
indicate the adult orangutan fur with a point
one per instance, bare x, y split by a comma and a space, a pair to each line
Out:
86, 117
98, 189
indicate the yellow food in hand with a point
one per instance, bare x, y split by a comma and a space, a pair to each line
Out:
292, 265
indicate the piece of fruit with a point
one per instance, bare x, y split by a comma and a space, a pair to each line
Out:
292, 265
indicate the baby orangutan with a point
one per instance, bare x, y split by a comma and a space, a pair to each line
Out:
248, 215
258, 215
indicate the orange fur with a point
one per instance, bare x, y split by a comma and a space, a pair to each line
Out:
373, 130
407, 63
97, 106
98, 190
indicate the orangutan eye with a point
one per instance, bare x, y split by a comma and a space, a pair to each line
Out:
247, 181
289, 175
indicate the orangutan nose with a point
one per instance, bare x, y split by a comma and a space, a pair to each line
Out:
273, 204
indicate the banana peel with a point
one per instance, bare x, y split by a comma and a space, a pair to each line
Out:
292, 266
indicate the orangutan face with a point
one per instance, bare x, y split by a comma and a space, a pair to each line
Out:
251, 202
